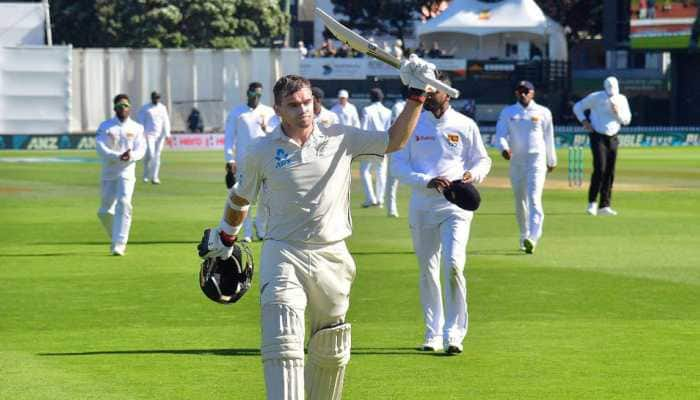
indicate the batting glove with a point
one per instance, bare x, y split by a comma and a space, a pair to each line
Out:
415, 72
216, 243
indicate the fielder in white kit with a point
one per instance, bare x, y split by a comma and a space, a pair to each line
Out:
375, 117
156, 128
525, 136
392, 182
445, 146
322, 115
345, 110
120, 143
254, 122
305, 267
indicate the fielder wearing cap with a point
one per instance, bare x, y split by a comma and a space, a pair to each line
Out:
445, 146
609, 110
525, 137
120, 143
346, 111
322, 115
306, 270
156, 124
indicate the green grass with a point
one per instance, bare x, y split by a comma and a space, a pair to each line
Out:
608, 308
661, 42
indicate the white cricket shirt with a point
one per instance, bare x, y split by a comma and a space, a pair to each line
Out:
229, 129
249, 126
306, 190
155, 120
526, 130
446, 147
376, 117
347, 114
113, 139
603, 119
326, 118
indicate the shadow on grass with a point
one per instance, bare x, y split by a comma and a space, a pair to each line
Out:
370, 253
73, 254
216, 352
131, 242
359, 351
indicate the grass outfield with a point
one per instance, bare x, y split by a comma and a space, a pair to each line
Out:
608, 308
660, 42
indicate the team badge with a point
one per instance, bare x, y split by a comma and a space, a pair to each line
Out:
535, 119
453, 139
130, 135
282, 158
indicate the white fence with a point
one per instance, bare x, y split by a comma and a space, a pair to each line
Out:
35, 89
50, 90
213, 81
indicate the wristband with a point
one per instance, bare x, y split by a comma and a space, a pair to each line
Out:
229, 229
416, 95
236, 207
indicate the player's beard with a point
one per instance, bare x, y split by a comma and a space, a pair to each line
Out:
432, 105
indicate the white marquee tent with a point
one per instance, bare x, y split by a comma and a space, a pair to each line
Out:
503, 29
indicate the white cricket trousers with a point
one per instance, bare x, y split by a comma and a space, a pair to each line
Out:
374, 194
440, 239
115, 208
392, 187
298, 278
527, 175
151, 160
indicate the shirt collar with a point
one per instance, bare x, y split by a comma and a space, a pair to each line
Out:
432, 117
529, 106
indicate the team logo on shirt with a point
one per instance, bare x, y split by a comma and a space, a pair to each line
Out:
130, 135
452, 139
535, 119
424, 138
282, 158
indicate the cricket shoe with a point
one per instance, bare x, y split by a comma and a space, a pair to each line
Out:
156, 181
247, 239
454, 348
368, 204
118, 249
393, 214
592, 209
607, 211
146, 180
434, 344
529, 245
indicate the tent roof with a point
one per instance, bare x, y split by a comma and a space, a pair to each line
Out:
481, 18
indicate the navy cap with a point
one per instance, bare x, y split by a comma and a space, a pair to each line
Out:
525, 84
463, 194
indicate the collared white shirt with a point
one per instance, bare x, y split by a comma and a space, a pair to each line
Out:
306, 189
251, 124
446, 147
347, 114
113, 139
230, 128
396, 110
326, 118
526, 130
155, 120
376, 117
603, 119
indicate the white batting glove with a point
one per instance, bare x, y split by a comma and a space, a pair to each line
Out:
212, 245
415, 72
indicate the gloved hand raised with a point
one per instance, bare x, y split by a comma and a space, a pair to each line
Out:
415, 72
216, 243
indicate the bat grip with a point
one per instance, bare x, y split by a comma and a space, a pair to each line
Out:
442, 87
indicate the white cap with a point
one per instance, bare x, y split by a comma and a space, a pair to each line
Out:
343, 93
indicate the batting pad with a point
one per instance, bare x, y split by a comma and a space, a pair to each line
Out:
329, 353
283, 352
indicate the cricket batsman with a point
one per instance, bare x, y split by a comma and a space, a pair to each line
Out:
306, 271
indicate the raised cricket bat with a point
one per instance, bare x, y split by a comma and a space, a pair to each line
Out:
362, 45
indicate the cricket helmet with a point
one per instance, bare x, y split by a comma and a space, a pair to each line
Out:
226, 281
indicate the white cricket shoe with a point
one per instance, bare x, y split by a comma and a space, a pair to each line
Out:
247, 239
607, 211
592, 209
145, 180
433, 344
529, 246
156, 181
118, 249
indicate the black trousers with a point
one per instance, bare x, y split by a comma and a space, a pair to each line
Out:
604, 149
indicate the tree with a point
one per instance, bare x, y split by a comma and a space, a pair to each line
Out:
168, 23
382, 17
583, 18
